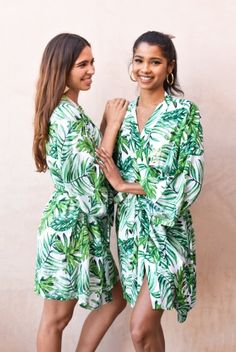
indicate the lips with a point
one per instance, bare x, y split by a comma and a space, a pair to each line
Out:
87, 80
145, 79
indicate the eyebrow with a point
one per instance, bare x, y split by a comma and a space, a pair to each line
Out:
84, 62
151, 58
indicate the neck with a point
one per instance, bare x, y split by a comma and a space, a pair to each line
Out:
149, 98
72, 95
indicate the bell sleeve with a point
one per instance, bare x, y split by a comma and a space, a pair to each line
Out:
80, 176
168, 197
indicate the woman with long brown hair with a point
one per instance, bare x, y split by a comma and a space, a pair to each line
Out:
74, 262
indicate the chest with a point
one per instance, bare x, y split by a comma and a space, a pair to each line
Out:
143, 115
156, 146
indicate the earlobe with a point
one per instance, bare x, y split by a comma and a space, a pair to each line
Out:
171, 66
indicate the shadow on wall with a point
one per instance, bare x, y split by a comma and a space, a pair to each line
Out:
216, 260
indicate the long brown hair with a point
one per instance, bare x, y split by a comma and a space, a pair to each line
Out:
58, 59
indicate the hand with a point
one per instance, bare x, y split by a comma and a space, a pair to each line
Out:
109, 169
115, 111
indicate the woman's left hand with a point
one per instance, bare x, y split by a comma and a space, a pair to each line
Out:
109, 169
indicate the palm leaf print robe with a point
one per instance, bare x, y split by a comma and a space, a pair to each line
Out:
155, 234
73, 256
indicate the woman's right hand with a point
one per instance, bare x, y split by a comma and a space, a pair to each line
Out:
115, 111
109, 169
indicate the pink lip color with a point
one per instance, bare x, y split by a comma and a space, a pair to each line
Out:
88, 80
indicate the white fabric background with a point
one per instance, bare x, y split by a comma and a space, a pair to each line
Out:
205, 42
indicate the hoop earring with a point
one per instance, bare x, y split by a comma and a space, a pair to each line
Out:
170, 79
131, 74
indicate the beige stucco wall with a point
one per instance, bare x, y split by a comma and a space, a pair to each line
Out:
205, 41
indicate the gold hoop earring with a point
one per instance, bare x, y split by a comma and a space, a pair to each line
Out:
170, 79
131, 74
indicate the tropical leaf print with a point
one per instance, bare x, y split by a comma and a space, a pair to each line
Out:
73, 255
86, 145
155, 234
44, 285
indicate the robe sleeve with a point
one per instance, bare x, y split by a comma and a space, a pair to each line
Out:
168, 197
80, 176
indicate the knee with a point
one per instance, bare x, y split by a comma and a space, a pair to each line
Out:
138, 331
58, 322
138, 334
142, 329
62, 321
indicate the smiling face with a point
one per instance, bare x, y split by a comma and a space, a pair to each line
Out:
80, 76
150, 67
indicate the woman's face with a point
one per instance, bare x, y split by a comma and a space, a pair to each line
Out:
150, 67
80, 76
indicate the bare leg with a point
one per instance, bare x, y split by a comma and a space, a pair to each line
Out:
98, 321
56, 315
146, 331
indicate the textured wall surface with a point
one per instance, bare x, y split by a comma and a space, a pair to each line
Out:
205, 42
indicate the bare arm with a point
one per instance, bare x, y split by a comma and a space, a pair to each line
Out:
112, 119
131, 187
103, 125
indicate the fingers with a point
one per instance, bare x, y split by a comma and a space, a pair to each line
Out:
115, 111
126, 104
101, 163
104, 169
122, 102
104, 156
106, 161
117, 102
102, 152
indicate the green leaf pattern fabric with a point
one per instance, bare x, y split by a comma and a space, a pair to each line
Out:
73, 245
155, 233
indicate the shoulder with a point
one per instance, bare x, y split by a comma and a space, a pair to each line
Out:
131, 110
189, 110
132, 106
66, 117
182, 103
130, 113
65, 111
62, 119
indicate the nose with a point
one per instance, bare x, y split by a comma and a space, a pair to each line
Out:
145, 67
91, 69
